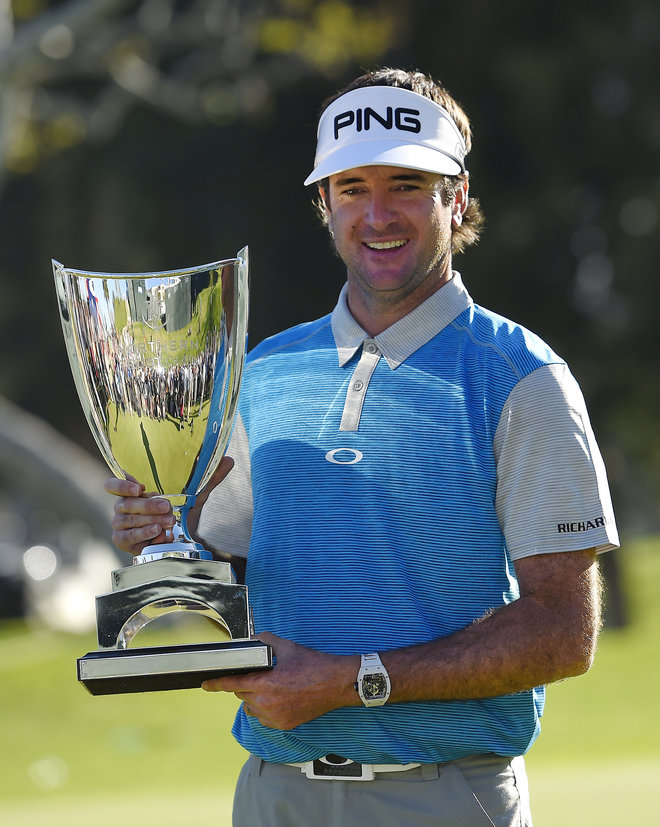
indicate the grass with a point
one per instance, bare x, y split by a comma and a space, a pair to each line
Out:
597, 761
167, 758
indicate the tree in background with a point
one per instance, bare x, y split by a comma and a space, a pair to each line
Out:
73, 70
152, 134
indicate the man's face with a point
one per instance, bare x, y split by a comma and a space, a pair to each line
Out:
392, 229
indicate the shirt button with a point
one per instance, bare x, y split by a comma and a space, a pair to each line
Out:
358, 385
371, 348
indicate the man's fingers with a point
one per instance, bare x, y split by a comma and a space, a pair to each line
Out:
123, 488
124, 520
134, 540
140, 518
143, 505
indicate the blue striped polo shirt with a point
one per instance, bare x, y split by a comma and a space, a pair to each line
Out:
388, 503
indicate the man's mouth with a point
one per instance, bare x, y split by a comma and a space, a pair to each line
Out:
386, 245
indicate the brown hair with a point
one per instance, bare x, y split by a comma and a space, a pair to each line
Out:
473, 219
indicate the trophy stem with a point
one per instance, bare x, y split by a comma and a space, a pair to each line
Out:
180, 546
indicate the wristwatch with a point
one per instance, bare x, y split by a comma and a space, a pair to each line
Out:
373, 682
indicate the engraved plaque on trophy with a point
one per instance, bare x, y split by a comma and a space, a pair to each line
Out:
157, 360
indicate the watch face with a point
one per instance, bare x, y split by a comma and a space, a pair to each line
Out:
374, 685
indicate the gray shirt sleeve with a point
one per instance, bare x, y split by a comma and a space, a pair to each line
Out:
552, 490
225, 523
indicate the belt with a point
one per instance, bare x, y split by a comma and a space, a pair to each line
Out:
335, 768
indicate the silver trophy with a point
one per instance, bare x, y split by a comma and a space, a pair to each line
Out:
157, 360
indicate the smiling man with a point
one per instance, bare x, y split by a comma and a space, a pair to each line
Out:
405, 472
393, 231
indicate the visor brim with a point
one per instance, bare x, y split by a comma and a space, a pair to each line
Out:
385, 153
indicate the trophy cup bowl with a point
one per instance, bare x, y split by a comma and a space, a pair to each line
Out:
157, 360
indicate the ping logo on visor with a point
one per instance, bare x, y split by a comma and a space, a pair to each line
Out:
400, 118
387, 126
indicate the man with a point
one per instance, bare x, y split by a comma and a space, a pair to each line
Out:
422, 497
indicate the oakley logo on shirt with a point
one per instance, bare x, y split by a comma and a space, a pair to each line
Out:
344, 456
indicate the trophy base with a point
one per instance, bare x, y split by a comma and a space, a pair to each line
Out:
157, 668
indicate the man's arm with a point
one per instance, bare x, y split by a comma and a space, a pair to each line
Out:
549, 633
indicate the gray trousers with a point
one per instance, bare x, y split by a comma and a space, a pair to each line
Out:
479, 791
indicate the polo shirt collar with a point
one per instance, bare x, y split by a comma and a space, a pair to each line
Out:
404, 337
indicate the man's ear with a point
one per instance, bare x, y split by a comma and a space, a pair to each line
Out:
323, 196
460, 203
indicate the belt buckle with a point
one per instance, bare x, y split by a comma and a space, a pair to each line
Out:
333, 767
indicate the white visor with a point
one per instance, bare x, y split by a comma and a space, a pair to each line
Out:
387, 126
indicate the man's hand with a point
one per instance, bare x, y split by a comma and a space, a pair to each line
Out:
142, 518
303, 685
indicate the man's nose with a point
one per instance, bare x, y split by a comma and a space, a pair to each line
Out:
381, 211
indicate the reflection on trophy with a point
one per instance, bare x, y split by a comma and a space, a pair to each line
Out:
157, 360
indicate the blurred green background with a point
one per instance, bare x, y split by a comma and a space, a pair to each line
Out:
70, 759
157, 134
